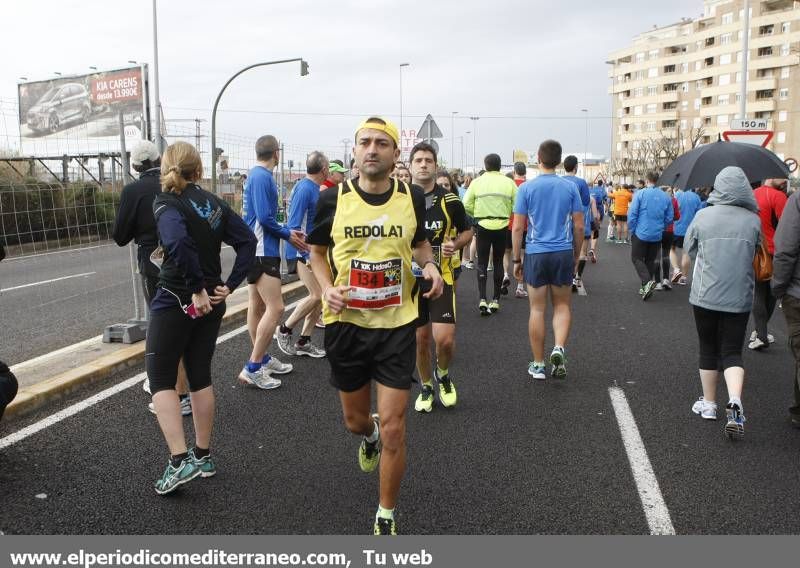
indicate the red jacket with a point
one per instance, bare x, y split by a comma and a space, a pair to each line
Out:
677, 215
771, 202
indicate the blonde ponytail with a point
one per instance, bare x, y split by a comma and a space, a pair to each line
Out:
180, 165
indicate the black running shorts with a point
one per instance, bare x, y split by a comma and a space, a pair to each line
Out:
269, 265
621, 218
440, 310
358, 355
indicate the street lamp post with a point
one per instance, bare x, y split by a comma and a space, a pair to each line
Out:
745, 52
453, 139
462, 149
585, 141
157, 130
401, 107
303, 72
474, 120
346, 142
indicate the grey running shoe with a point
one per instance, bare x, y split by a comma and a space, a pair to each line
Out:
186, 406
275, 367
309, 350
285, 343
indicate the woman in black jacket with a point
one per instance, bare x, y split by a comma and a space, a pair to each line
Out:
187, 309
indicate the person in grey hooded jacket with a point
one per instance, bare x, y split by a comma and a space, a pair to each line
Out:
722, 240
786, 286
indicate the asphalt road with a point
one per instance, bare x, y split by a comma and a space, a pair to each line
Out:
514, 457
52, 300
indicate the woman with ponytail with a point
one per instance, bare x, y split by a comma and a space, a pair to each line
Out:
187, 309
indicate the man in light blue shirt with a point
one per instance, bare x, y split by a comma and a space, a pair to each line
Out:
689, 204
302, 207
649, 215
554, 213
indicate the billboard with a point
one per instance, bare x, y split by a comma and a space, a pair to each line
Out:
85, 106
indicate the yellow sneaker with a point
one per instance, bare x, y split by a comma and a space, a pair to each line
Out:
424, 401
369, 453
447, 390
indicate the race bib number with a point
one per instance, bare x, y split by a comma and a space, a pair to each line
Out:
437, 258
376, 285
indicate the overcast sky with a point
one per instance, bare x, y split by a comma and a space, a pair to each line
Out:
493, 59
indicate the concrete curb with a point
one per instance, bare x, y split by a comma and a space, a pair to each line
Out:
34, 396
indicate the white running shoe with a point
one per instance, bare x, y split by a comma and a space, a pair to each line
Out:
706, 410
275, 367
770, 337
260, 379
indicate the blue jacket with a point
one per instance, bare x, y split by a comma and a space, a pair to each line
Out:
689, 204
650, 213
259, 209
302, 207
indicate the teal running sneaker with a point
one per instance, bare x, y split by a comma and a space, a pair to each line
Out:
206, 464
174, 477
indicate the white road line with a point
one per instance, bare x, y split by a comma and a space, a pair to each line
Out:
53, 419
55, 252
47, 281
655, 509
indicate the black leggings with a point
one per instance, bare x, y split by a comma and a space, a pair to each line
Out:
763, 308
494, 241
644, 255
666, 246
171, 335
721, 337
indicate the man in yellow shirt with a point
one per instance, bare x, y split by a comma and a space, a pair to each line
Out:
490, 201
366, 231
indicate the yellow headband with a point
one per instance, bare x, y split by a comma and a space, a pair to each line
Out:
377, 123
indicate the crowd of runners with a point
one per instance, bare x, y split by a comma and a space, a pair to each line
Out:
380, 245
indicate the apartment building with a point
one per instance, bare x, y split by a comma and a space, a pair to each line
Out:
681, 83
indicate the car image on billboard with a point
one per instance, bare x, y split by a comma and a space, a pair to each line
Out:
84, 105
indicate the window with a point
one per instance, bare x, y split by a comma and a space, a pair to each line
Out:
725, 39
639, 75
739, 77
669, 123
637, 110
708, 61
722, 120
651, 126
652, 90
684, 67
707, 121
738, 98
652, 72
786, 27
724, 79
764, 51
781, 137
684, 105
727, 18
698, 66
637, 127
784, 94
766, 30
670, 106
653, 54
783, 116
671, 87
697, 104
765, 94
723, 100
725, 59
685, 87
706, 101
764, 114
651, 108
784, 72
786, 49
765, 73
697, 122
638, 92
709, 41
683, 124
640, 57
619, 146
669, 69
